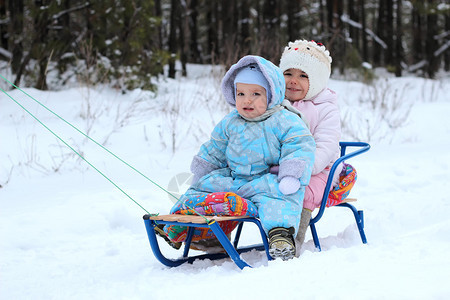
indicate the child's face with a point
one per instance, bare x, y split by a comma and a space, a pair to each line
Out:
251, 100
297, 84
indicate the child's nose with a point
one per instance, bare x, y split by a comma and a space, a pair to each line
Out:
248, 99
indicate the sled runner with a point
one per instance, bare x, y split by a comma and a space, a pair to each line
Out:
192, 221
335, 197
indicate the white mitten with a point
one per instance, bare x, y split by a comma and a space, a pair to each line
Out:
289, 185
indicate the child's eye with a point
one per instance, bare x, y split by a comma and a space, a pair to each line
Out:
287, 74
240, 94
304, 76
256, 94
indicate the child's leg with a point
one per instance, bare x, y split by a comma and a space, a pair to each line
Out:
274, 208
314, 191
304, 223
279, 214
313, 197
216, 181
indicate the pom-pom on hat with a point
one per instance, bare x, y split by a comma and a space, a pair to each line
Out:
251, 74
313, 59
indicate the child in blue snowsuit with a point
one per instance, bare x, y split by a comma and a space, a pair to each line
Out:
263, 130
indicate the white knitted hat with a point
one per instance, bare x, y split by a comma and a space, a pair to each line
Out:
313, 59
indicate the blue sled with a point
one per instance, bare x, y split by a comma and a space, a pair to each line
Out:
232, 249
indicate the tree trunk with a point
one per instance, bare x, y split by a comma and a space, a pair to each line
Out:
41, 50
378, 51
293, 25
245, 37
3, 26
42, 78
417, 43
212, 17
21, 69
353, 31
365, 53
323, 23
173, 38
230, 51
330, 12
398, 41
194, 48
183, 24
340, 44
270, 37
389, 33
158, 14
16, 10
336, 42
431, 44
447, 53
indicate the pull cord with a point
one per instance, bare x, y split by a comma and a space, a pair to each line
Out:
94, 141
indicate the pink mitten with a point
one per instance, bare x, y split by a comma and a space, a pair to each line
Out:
289, 185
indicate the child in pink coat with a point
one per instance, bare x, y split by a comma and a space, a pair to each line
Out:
306, 66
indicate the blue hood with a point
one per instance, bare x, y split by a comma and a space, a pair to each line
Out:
272, 73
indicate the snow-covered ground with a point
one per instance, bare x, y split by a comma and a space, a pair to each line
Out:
68, 233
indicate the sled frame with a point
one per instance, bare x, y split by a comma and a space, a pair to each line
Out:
358, 214
212, 222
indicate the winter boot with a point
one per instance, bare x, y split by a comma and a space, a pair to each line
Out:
304, 223
281, 243
159, 230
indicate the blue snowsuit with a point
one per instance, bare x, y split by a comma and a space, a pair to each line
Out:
240, 153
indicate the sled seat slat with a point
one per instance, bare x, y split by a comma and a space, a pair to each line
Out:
346, 200
194, 219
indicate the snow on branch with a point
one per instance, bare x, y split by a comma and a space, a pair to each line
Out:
376, 38
5, 53
68, 11
441, 35
345, 18
442, 48
4, 21
418, 65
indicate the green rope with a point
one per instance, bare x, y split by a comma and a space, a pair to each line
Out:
94, 141
76, 152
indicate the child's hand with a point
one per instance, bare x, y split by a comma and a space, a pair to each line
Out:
274, 169
289, 185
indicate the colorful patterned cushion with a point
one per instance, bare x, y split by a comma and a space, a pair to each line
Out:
214, 204
347, 179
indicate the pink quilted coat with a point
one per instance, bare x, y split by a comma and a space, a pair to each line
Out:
322, 114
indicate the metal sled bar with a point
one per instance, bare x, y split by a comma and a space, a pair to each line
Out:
238, 234
315, 237
232, 251
265, 244
359, 217
223, 239
188, 241
149, 226
364, 147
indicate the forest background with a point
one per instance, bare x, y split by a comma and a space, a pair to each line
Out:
67, 233
125, 44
